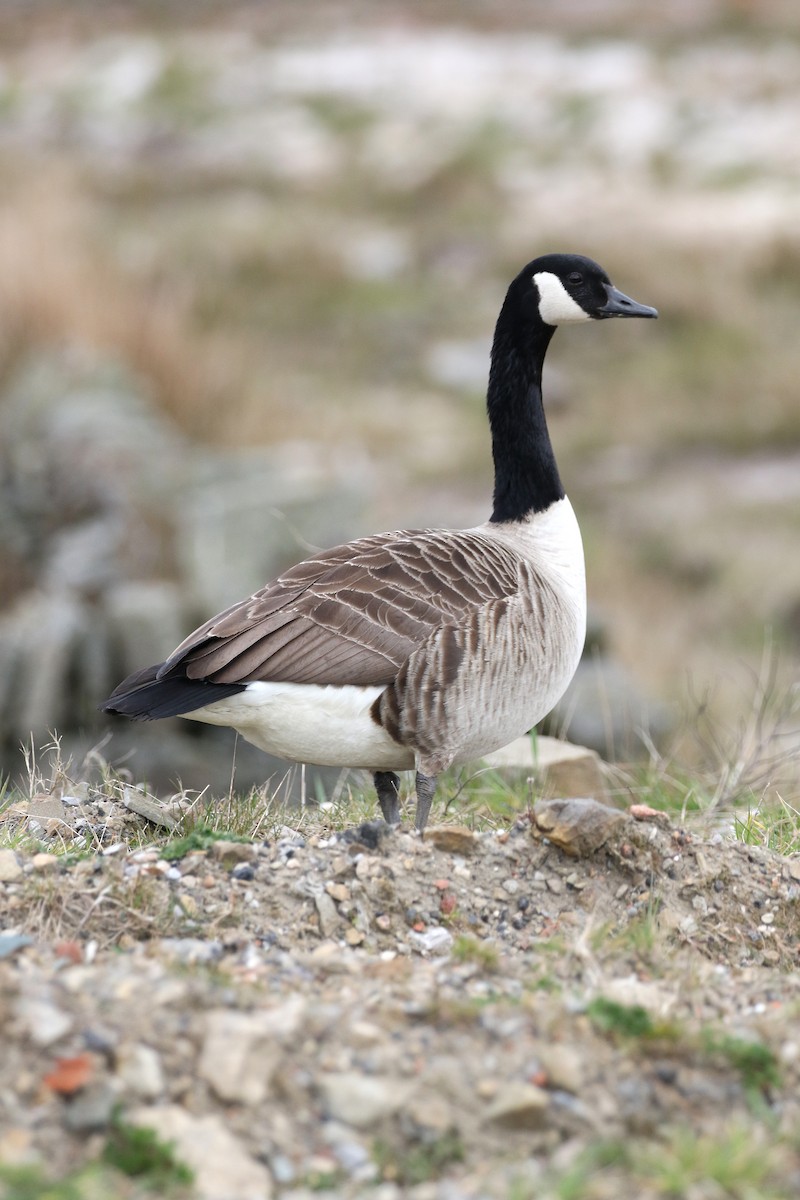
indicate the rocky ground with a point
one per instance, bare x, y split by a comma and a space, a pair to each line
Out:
587, 1003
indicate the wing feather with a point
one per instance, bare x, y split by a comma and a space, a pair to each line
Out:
354, 614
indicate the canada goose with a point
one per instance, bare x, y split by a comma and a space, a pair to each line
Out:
416, 649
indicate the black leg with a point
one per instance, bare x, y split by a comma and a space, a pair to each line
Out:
426, 786
387, 785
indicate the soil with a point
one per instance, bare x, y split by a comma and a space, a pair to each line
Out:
371, 1013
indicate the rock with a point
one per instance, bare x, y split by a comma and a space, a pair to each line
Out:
45, 864
10, 868
577, 826
46, 808
17, 1147
144, 806
641, 993
519, 1106
230, 853
557, 768
44, 1022
237, 516
241, 1051
222, 1167
563, 1066
604, 708
91, 1108
437, 940
363, 1100
139, 1070
149, 619
10, 943
454, 839
329, 919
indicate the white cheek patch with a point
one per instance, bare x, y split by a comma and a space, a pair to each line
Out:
556, 306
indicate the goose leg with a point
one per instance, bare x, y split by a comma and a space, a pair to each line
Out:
387, 785
426, 786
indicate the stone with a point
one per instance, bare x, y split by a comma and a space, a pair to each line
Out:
91, 1109
10, 868
241, 1051
10, 943
145, 806
44, 1022
563, 1066
556, 768
641, 993
222, 1167
437, 940
577, 826
46, 808
454, 839
148, 618
519, 1105
605, 709
329, 919
230, 853
139, 1070
45, 864
363, 1100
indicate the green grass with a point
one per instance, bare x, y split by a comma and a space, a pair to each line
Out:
623, 1020
418, 1163
756, 1063
139, 1153
473, 950
199, 838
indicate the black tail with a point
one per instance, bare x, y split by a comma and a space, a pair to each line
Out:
145, 697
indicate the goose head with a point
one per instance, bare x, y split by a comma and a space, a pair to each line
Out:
568, 288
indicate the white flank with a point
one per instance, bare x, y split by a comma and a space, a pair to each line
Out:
556, 306
306, 722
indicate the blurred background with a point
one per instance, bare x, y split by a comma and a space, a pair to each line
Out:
251, 256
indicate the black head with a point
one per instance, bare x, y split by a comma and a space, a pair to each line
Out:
570, 288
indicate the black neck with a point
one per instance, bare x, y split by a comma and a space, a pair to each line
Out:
526, 478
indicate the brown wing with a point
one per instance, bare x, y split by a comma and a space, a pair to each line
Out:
351, 615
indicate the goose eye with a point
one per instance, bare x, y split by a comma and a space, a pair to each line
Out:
575, 277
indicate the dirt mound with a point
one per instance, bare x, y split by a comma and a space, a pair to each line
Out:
370, 1011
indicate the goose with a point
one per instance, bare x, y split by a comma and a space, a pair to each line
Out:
417, 649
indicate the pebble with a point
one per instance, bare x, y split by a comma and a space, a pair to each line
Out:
45, 863
243, 871
10, 868
139, 1070
10, 943
437, 940
363, 1100
222, 1167
454, 839
519, 1106
241, 1051
511, 886
91, 1108
145, 806
44, 1022
230, 853
579, 827
563, 1065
